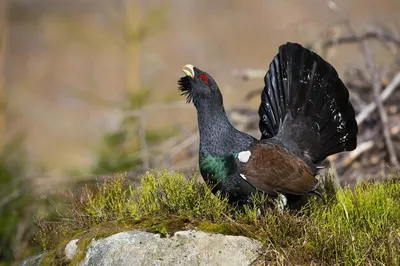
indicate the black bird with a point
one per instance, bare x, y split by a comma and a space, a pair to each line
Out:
305, 116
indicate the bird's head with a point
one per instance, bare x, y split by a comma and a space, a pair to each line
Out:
198, 86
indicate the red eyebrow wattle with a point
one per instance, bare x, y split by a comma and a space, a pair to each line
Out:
204, 78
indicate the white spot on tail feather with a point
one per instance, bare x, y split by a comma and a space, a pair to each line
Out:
244, 156
243, 176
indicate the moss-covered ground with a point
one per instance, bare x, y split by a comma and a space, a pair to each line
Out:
348, 226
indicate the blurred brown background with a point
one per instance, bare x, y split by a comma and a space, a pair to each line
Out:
69, 64
89, 87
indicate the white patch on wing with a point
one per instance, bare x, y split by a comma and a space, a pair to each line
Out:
244, 156
243, 176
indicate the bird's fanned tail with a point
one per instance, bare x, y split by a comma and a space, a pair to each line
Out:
305, 106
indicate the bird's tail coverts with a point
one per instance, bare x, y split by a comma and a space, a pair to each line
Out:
306, 106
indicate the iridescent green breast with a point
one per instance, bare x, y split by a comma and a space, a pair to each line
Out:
217, 168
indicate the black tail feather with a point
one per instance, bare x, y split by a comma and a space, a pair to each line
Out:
305, 106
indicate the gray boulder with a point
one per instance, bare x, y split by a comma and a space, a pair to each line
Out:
183, 248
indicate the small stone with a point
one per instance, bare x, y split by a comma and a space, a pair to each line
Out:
70, 249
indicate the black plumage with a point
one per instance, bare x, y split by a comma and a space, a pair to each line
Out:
306, 106
305, 116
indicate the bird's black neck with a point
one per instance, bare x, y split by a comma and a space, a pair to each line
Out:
217, 135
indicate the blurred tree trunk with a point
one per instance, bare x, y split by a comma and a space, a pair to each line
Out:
132, 46
3, 30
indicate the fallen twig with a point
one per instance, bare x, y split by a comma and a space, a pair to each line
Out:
253, 93
383, 97
249, 73
353, 155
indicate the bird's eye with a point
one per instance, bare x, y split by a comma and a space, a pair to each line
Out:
204, 78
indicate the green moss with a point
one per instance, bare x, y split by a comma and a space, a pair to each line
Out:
227, 228
164, 225
346, 227
48, 258
98, 232
57, 255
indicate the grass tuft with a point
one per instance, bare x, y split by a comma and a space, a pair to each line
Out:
347, 226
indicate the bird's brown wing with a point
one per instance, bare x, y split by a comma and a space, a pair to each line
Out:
273, 169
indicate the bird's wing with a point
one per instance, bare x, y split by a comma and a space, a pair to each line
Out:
273, 170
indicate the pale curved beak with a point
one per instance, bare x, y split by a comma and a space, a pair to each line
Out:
188, 70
